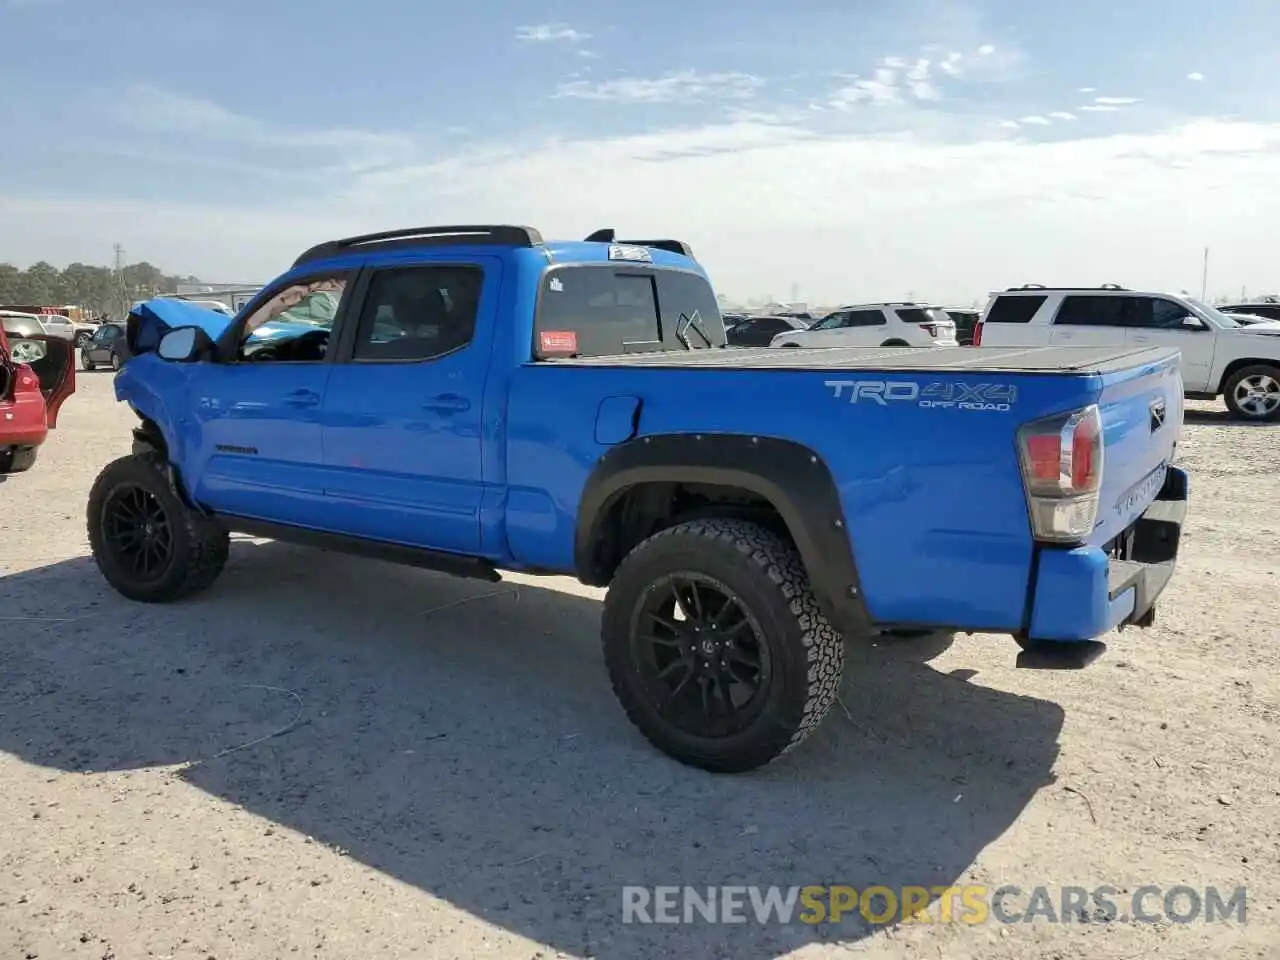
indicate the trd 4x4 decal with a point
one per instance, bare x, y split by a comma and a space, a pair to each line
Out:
938, 395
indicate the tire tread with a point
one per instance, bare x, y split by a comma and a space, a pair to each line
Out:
824, 646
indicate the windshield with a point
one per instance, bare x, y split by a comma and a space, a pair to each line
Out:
1214, 314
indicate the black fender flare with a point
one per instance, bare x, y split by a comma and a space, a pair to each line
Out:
789, 475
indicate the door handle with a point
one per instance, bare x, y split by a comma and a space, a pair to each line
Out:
302, 398
447, 403
1141, 339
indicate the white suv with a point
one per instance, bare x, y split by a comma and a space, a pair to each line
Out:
1220, 357
876, 325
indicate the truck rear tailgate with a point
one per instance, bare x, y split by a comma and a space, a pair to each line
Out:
1141, 408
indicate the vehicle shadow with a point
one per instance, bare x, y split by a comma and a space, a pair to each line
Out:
462, 737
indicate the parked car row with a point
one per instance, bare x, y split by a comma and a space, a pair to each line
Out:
1231, 352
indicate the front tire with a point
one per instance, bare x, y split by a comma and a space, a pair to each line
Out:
147, 543
86, 363
716, 647
1253, 393
116, 362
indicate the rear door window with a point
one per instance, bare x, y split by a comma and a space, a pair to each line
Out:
865, 318
1104, 311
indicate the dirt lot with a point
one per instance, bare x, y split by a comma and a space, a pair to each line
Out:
455, 779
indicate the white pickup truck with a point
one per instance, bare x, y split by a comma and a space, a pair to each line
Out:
1221, 357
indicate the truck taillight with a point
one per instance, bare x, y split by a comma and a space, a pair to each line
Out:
1061, 460
930, 329
977, 334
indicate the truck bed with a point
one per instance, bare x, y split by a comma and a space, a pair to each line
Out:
1022, 360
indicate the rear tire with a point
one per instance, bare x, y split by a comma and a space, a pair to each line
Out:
86, 363
775, 623
17, 459
1253, 393
895, 343
148, 544
116, 362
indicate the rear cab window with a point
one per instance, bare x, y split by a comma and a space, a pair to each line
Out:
599, 310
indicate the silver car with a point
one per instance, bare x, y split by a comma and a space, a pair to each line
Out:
56, 325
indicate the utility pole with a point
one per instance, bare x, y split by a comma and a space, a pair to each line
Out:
1204, 276
120, 286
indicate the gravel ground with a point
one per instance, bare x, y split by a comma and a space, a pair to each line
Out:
455, 779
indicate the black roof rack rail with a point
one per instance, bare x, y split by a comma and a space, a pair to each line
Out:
498, 235
609, 235
1041, 286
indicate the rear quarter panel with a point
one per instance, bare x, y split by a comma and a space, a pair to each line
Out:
932, 494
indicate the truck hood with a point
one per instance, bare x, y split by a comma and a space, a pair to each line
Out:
152, 319
1270, 329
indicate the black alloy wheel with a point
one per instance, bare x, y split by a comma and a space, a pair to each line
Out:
139, 534
701, 655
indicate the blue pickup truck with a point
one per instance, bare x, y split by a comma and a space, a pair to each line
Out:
474, 399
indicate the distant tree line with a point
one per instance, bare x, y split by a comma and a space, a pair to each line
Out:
99, 289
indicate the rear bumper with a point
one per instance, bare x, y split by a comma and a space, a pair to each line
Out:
1082, 593
22, 422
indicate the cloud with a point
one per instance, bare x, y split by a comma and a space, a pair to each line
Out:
1117, 101
1034, 120
951, 63
919, 84
881, 89
1010, 124
150, 110
1098, 108
1087, 90
764, 204
1062, 115
682, 86
986, 50
1196, 76
550, 32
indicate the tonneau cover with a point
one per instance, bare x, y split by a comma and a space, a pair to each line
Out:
1029, 360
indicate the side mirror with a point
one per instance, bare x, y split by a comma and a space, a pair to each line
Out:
1192, 323
184, 345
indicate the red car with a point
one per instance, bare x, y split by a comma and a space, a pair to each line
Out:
37, 374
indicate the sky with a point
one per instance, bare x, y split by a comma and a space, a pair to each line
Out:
841, 150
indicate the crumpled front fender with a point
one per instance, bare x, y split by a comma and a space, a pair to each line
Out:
155, 390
